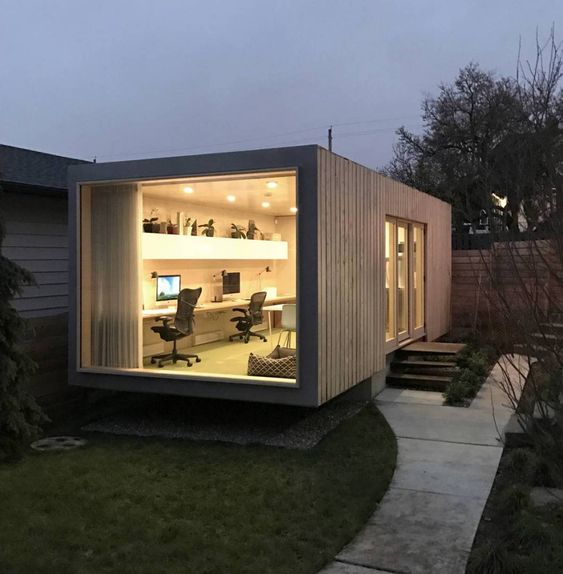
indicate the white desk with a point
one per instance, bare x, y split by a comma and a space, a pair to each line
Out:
211, 307
272, 309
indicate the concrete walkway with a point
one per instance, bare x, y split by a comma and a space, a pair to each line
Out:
447, 462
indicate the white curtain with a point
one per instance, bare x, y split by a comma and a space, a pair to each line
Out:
115, 275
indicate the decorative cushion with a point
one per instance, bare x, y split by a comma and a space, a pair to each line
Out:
284, 368
281, 352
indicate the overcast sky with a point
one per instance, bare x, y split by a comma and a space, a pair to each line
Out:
123, 79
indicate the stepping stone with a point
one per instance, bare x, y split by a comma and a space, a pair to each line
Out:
58, 443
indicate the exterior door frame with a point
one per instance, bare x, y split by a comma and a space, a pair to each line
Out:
411, 332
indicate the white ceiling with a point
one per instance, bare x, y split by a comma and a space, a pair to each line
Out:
249, 190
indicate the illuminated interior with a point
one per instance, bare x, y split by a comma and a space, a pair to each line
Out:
143, 242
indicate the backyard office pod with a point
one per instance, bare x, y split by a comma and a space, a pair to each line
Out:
365, 259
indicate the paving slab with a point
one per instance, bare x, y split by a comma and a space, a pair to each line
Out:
343, 568
393, 395
446, 468
441, 423
417, 533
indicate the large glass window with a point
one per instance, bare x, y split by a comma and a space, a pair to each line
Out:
189, 277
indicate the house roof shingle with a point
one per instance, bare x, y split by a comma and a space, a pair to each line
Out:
28, 167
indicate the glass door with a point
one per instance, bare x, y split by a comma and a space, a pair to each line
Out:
404, 281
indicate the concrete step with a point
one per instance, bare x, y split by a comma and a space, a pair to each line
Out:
419, 381
552, 328
418, 366
535, 350
432, 348
548, 337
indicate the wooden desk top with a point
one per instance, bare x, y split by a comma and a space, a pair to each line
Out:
211, 307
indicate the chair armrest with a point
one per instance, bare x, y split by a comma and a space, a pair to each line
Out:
244, 311
164, 318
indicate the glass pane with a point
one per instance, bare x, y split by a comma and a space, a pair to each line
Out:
402, 279
389, 280
418, 276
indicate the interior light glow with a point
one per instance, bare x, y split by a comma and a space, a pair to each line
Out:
188, 189
293, 209
265, 204
231, 198
272, 184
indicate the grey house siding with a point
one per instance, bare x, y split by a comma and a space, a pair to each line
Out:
36, 238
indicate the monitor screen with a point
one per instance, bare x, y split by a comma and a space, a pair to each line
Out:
231, 283
167, 287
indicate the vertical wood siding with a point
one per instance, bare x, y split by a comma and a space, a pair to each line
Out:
353, 202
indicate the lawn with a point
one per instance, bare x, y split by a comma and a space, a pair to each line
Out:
144, 505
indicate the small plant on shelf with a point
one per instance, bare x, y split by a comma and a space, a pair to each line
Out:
186, 227
151, 225
194, 228
238, 231
208, 229
171, 228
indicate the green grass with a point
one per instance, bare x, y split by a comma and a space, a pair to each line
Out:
145, 506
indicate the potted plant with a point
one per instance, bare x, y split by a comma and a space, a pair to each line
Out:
252, 229
150, 225
171, 228
208, 229
194, 227
186, 226
238, 231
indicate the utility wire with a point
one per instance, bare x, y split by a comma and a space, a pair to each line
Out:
265, 137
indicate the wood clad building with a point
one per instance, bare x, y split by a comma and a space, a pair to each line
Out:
33, 207
372, 271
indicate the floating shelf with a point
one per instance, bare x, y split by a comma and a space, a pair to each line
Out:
162, 246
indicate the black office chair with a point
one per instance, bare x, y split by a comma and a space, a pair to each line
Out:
183, 326
250, 317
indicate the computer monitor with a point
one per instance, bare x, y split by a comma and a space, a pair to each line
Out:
167, 287
231, 283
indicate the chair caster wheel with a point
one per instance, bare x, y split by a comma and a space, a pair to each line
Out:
189, 364
198, 360
265, 340
160, 365
153, 361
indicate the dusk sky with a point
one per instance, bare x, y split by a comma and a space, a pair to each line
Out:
128, 79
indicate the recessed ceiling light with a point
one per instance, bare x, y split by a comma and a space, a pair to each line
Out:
188, 189
231, 198
293, 209
265, 204
272, 184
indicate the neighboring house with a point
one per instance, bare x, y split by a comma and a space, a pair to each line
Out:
34, 209
363, 263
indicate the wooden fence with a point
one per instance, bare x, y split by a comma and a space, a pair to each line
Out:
516, 276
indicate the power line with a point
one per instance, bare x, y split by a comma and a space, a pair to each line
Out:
204, 147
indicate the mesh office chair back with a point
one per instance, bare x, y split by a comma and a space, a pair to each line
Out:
255, 307
187, 300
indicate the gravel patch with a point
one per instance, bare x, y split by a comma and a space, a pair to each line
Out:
296, 431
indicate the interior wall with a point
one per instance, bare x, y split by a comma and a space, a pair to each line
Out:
199, 273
